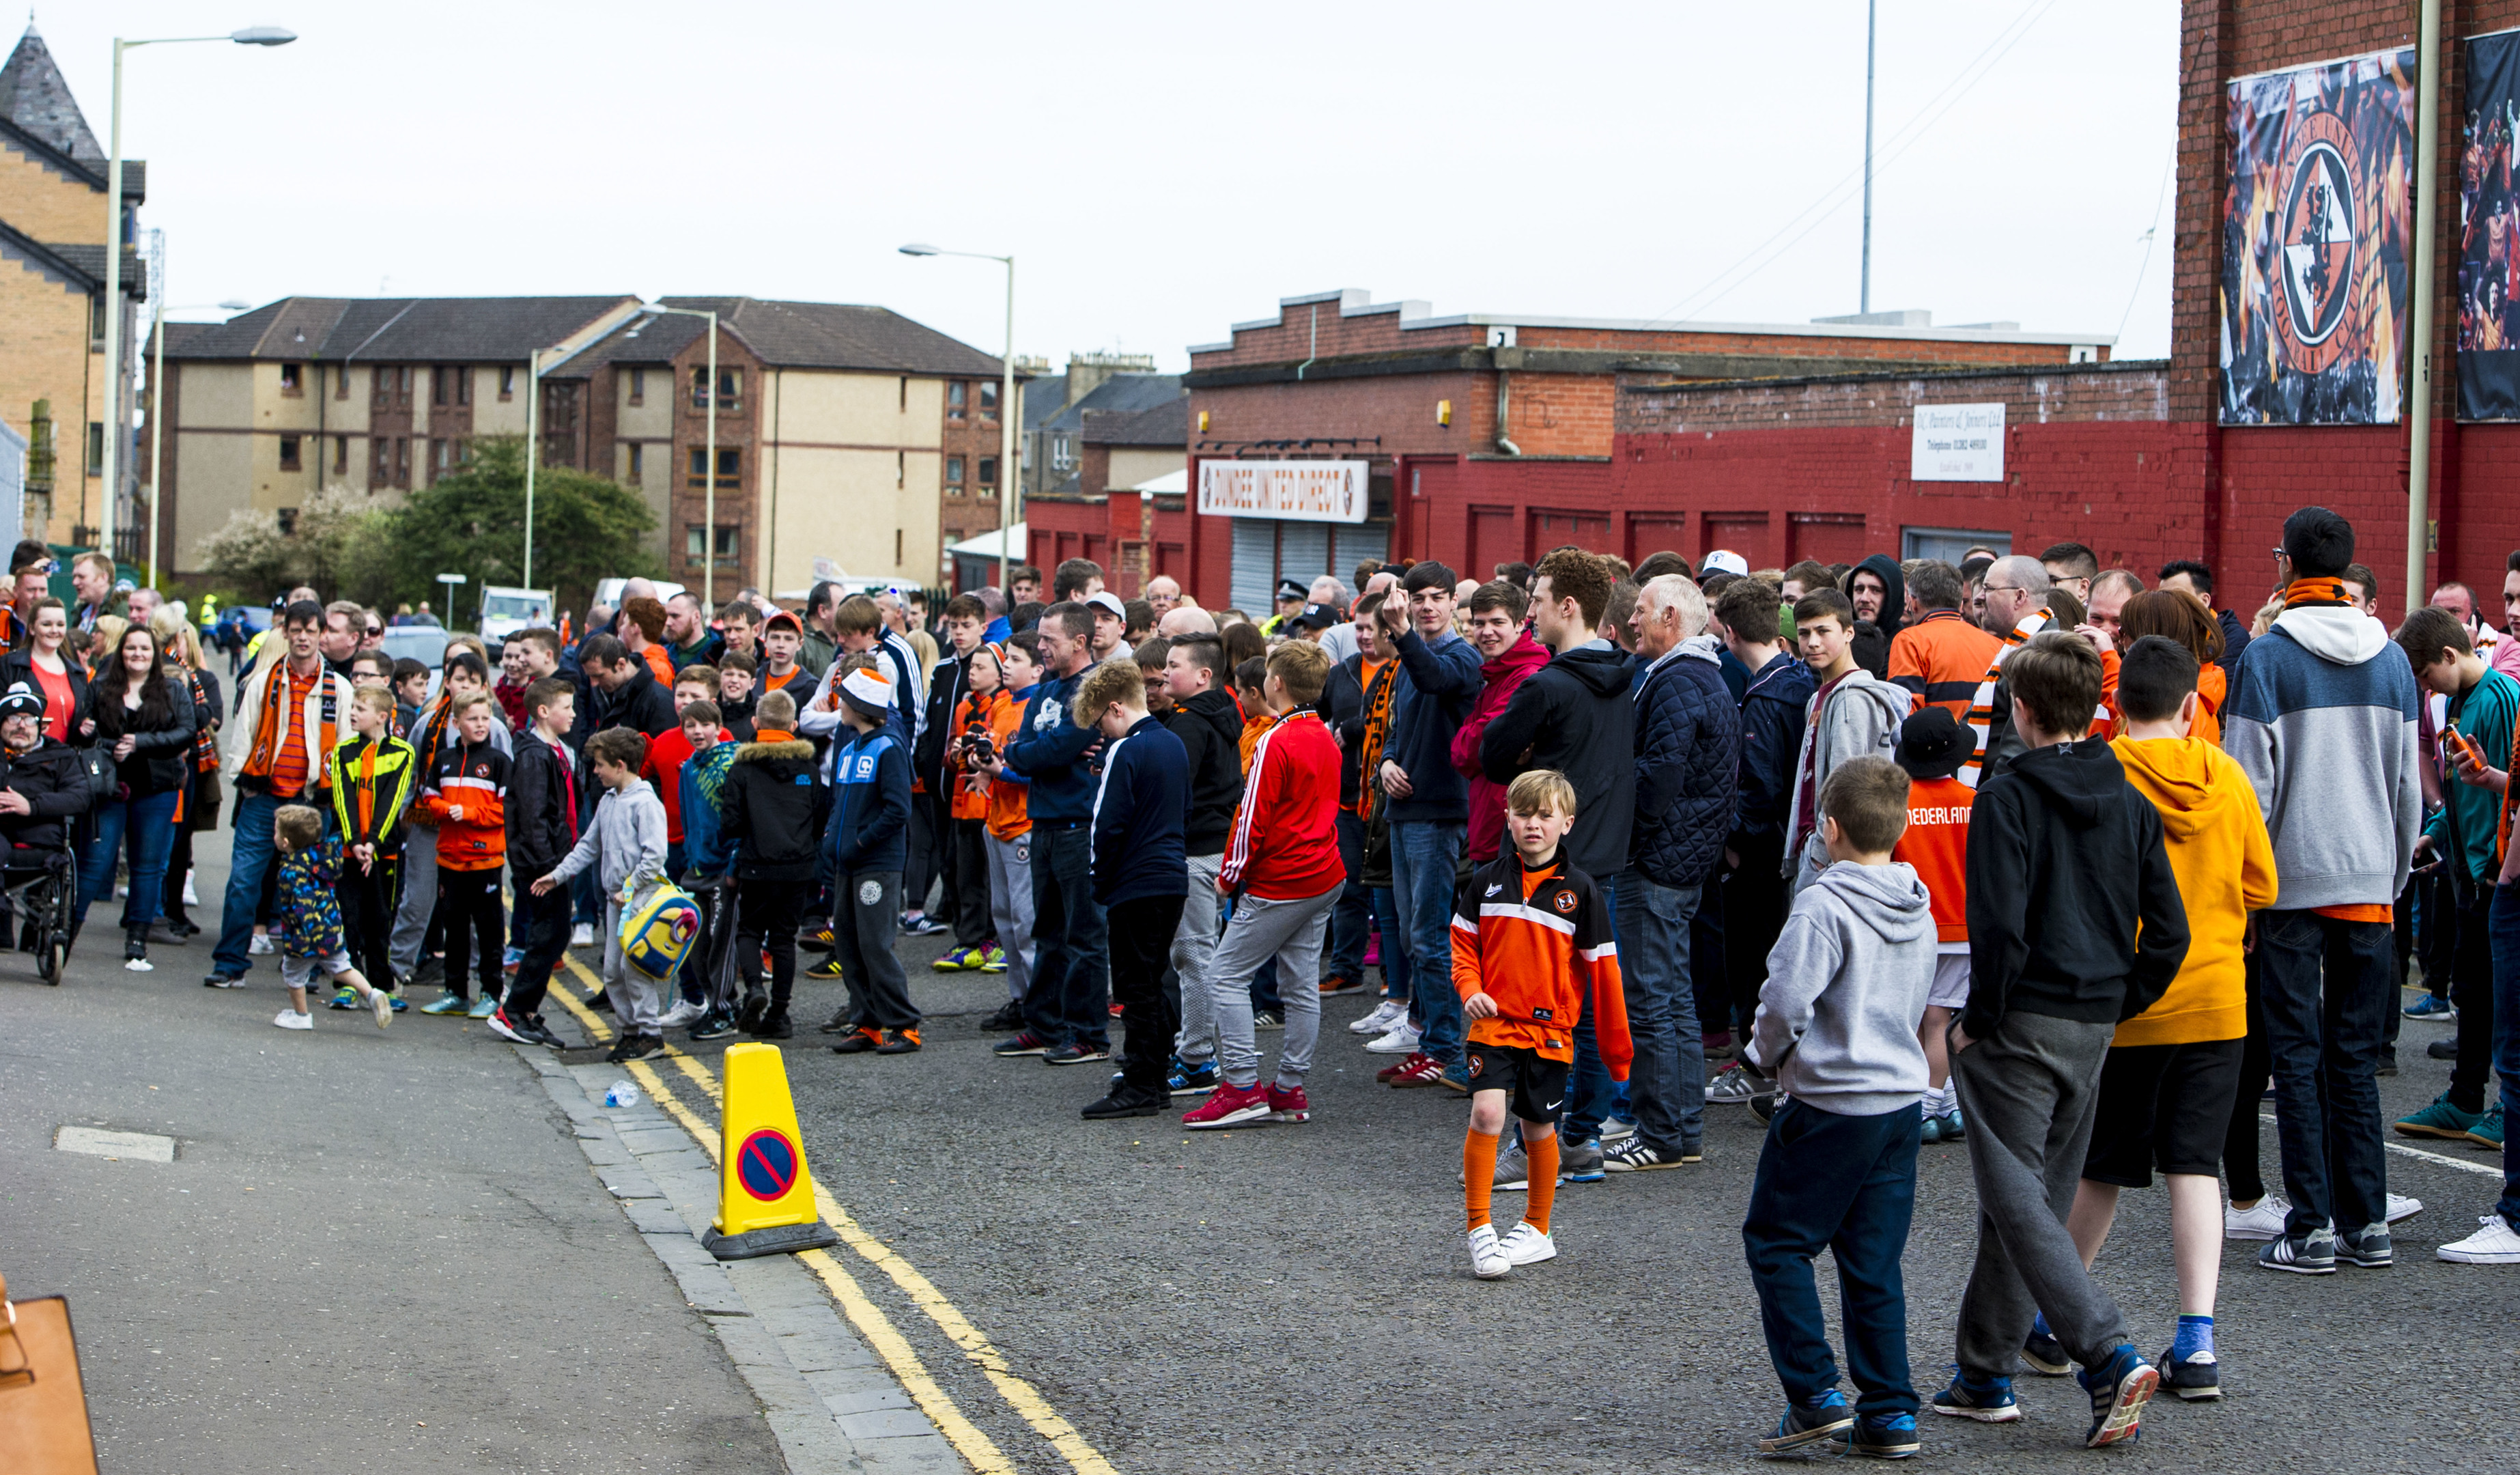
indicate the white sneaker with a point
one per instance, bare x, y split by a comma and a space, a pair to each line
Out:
260, 946
581, 935
380, 1004
1387, 1013
2492, 1243
1525, 1245
1488, 1258
2263, 1219
681, 1013
190, 897
2402, 1207
1398, 1039
291, 1019
138, 965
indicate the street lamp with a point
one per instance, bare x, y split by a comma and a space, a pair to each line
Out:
157, 407
709, 462
252, 35
1006, 412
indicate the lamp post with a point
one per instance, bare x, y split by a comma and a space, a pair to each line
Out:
115, 379
709, 462
1005, 413
158, 408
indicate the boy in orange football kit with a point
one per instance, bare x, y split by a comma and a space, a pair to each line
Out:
1532, 943
1932, 748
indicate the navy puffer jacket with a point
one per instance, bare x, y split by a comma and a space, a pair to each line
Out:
1689, 741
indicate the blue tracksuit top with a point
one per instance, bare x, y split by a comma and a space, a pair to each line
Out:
869, 825
1051, 754
1141, 817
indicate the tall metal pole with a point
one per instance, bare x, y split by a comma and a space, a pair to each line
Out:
157, 420
1871, 29
2419, 459
113, 379
533, 448
1006, 412
708, 499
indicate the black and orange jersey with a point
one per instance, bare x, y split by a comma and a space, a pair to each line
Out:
1942, 657
1539, 941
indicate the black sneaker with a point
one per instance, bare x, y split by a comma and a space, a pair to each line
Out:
858, 1043
1121, 1103
755, 1004
716, 1026
625, 1048
1632, 1154
2312, 1253
2045, 1354
510, 1028
843, 1022
2119, 1388
647, 1046
1991, 1403
1021, 1042
774, 1026
1009, 1016
825, 971
899, 1042
1885, 1436
1075, 1052
224, 981
1268, 1019
2368, 1248
2198, 1380
817, 939
1805, 1427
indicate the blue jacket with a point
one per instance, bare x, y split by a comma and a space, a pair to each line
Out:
1688, 747
1438, 684
1052, 754
1140, 817
1771, 742
869, 826
705, 848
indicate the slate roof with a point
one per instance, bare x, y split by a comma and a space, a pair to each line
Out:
34, 96
1121, 392
450, 330
1043, 397
793, 336
1166, 423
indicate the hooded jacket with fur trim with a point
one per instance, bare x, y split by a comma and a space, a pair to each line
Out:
773, 810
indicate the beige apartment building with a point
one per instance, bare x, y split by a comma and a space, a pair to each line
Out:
376, 394
846, 433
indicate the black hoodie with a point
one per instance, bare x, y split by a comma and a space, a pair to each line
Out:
1210, 729
2065, 860
1575, 715
773, 806
1872, 637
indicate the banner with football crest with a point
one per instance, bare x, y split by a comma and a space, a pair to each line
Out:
2489, 221
2318, 223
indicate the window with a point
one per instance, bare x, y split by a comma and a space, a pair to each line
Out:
507, 380
1063, 453
383, 473
95, 317
342, 382
729, 468
730, 388
901, 467
380, 381
402, 384
730, 463
289, 453
693, 540
700, 388
638, 460
96, 447
989, 400
988, 471
463, 384
288, 517
436, 456
638, 387
292, 379
441, 385
341, 455
953, 471
402, 457
957, 395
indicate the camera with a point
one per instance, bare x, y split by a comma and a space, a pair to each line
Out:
978, 744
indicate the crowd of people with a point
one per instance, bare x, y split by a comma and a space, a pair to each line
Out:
2018, 853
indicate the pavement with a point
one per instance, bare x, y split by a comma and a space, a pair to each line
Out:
429, 1250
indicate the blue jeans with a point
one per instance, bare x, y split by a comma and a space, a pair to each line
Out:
1423, 855
1068, 1001
1668, 1083
1395, 947
1846, 1184
2506, 931
1345, 957
2324, 1044
150, 824
1589, 1088
248, 863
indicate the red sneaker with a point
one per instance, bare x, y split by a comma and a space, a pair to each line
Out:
1337, 985
1408, 1062
1231, 1106
1286, 1103
1419, 1069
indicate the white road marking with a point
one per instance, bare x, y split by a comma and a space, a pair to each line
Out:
138, 1145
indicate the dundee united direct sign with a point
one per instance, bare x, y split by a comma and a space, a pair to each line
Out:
1293, 491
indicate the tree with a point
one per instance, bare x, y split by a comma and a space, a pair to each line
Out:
472, 521
338, 543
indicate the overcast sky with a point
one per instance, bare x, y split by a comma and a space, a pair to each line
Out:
1162, 170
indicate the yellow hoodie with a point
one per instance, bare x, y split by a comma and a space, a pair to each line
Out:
2225, 868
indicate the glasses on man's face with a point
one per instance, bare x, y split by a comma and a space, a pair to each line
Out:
1999, 589
375, 632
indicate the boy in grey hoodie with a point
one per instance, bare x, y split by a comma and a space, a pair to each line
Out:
1850, 716
1837, 1019
627, 845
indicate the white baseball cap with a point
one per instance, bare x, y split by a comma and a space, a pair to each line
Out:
1724, 561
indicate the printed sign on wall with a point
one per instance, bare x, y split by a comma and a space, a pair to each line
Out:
1294, 491
1956, 442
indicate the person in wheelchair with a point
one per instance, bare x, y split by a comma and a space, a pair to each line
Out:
42, 789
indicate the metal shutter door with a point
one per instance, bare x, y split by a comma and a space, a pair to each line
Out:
1255, 565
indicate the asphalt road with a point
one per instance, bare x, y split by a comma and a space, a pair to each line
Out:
372, 1252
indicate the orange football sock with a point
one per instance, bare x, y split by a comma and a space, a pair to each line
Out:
1544, 1179
1478, 1173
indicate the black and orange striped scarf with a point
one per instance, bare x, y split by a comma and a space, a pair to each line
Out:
273, 730
2320, 593
1981, 713
1377, 729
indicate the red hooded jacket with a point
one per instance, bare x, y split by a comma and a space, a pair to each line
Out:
1487, 797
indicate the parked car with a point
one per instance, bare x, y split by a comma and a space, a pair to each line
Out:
505, 611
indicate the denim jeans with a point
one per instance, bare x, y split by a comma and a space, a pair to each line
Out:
1395, 945
1668, 1083
248, 863
1589, 1088
1345, 957
2324, 1045
1069, 998
150, 824
2507, 1034
1424, 857
1846, 1184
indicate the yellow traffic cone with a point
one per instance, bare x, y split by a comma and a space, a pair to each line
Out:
765, 1196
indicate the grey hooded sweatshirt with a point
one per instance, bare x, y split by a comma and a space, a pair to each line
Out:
1846, 989
1857, 718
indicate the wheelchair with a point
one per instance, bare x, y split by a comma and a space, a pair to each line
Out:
41, 901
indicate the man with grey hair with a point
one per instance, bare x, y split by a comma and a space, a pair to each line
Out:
1163, 592
1688, 746
2016, 609
1340, 639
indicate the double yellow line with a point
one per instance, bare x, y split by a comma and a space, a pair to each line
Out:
975, 1446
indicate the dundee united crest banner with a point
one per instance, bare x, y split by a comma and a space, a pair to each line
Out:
2489, 220
2315, 230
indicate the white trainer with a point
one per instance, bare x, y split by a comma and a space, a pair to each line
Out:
1398, 1039
2402, 1207
191, 896
1733, 1087
2492, 1243
380, 1004
291, 1019
681, 1013
138, 965
260, 946
1387, 1013
1488, 1258
2263, 1219
1525, 1245
581, 935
